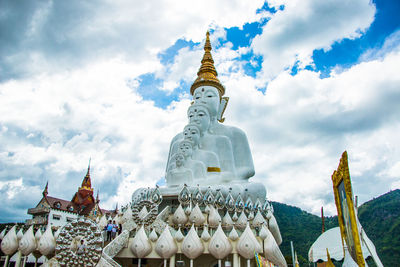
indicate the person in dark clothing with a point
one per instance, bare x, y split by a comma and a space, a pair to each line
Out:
109, 228
119, 229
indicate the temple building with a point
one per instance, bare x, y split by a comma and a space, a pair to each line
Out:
57, 212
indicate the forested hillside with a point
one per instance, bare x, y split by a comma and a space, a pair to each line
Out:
380, 218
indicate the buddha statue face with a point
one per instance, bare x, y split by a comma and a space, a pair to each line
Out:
192, 133
185, 147
179, 159
209, 96
198, 114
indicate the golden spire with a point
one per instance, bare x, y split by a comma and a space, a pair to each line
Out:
207, 74
87, 183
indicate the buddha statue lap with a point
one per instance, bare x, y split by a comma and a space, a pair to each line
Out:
180, 174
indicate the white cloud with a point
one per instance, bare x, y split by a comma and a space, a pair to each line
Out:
294, 33
303, 123
62, 120
55, 36
59, 115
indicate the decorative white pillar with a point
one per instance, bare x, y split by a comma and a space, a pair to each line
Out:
172, 261
6, 261
18, 260
236, 262
25, 259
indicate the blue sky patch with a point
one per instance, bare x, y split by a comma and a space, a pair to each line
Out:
347, 52
242, 37
149, 89
167, 56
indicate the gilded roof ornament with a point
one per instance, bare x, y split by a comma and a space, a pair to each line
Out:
207, 74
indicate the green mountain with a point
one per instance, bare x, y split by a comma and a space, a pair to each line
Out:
380, 218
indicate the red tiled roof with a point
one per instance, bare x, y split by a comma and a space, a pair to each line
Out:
64, 203
86, 209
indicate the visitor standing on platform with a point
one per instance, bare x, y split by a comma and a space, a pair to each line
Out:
109, 230
114, 230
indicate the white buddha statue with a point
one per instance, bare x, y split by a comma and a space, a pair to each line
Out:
243, 161
180, 174
197, 166
210, 161
199, 115
229, 143
208, 90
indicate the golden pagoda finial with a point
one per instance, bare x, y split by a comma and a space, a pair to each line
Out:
207, 74
87, 183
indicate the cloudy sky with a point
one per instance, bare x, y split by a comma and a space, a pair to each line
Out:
307, 79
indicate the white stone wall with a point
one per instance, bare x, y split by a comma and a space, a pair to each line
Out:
60, 218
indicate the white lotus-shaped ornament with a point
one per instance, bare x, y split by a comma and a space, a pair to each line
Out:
219, 245
153, 236
140, 245
205, 236
241, 221
166, 246
235, 217
57, 233
248, 244
179, 216
227, 222
9, 244
233, 235
214, 218
103, 222
258, 220
27, 244
143, 213
38, 235
196, 216
20, 234
263, 234
3, 233
271, 249
251, 216
179, 236
207, 209
192, 246
47, 242
127, 215
188, 210
274, 228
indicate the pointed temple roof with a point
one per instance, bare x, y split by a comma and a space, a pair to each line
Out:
97, 197
87, 183
84, 199
46, 190
207, 74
